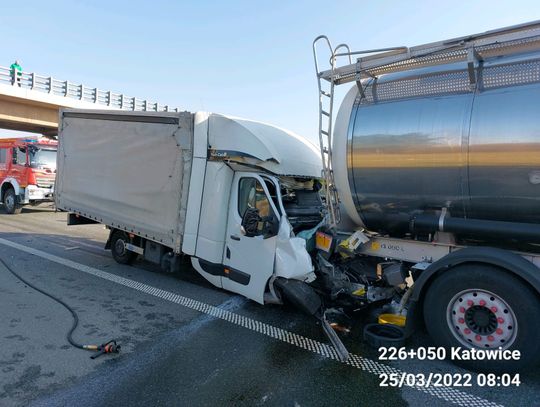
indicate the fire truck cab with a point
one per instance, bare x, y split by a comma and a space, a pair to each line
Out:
27, 172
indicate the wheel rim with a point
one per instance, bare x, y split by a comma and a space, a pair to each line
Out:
120, 247
481, 319
10, 201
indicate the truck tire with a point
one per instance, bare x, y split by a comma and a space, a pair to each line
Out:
118, 248
11, 205
484, 307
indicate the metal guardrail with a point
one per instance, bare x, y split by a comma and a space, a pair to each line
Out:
80, 92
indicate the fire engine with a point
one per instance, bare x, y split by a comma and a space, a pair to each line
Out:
27, 172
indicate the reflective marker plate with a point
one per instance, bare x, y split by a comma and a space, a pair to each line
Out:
323, 241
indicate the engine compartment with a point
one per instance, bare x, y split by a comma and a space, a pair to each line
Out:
302, 202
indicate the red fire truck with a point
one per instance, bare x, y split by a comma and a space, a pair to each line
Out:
27, 172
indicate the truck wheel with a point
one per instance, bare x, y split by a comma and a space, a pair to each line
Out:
118, 248
11, 205
484, 307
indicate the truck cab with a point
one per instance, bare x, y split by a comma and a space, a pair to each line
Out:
260, 243
27, 172
261, 187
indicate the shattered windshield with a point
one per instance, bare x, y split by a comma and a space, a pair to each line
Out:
42, 158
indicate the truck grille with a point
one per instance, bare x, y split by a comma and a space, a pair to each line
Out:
45, 182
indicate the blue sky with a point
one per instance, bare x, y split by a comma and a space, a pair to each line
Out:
246, 58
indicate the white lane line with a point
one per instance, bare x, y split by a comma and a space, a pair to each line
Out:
451, 395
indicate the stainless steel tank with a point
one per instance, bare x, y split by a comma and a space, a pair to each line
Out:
424, 140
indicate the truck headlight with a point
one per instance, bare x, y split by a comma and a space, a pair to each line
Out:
32, 190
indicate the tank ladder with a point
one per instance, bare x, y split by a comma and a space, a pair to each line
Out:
326, 110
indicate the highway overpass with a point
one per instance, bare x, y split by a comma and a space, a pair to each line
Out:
31, 103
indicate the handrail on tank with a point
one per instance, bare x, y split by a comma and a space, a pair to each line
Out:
320, 37
400, 50
335, 54
497, 42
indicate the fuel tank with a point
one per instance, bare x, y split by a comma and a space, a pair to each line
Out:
419, 141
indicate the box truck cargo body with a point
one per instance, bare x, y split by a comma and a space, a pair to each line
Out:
187, 183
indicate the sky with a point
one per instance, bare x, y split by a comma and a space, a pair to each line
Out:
251, 59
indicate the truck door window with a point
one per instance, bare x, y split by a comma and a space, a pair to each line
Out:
271, 187
251, 195
3, 155
21, 155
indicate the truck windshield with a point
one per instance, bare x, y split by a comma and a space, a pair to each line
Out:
42, 158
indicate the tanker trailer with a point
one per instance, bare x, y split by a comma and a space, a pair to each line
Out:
432, 178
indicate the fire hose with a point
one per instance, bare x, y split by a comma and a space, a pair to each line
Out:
107, 347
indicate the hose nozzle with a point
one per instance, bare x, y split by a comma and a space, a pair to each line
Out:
108, 347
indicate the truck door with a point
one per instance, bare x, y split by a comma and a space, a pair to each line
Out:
3, 163
18, 165
249, 254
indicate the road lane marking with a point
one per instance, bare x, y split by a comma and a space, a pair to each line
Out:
451, 395
93, 246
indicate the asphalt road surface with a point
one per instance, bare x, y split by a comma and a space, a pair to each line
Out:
183, 341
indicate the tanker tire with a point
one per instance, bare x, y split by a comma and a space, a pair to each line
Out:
10, 202
119, 253
523, 302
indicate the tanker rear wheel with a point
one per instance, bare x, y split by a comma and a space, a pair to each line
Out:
484, 307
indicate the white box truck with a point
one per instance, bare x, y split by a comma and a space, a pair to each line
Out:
227, 192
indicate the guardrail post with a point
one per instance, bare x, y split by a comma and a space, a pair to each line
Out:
32, 80
166, 108
66, 84
134, 101
95, 95
108, 98
50, 84
121, 101
15, 77
81, 97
